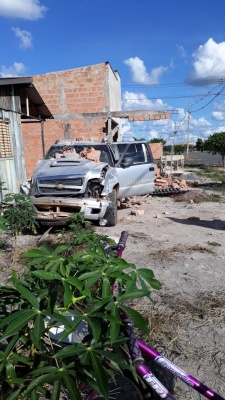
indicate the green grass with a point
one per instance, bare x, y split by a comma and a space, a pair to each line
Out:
217, 175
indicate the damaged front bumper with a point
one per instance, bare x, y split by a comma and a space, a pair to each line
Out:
58, 211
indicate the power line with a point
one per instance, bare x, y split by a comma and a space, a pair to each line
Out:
216, 95
198, 82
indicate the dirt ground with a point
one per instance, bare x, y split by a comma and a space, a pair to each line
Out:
183, 242
187, 319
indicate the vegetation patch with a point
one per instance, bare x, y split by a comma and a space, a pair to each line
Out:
197, 196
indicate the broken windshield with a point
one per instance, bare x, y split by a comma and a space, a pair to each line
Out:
93, 152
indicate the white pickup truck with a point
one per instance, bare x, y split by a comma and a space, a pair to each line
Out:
89, 178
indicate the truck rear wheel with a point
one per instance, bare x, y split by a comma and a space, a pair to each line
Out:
111, 212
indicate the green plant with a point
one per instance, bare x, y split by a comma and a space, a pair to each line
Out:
215, 144
64, 287
17, 210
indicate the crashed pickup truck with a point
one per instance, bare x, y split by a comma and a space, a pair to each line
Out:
89, 178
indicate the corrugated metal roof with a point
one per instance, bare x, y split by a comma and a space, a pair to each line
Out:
26, 89
16, 80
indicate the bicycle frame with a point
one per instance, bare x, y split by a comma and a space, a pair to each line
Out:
138, 348
174, 370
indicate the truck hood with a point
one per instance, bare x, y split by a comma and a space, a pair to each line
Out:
68, 167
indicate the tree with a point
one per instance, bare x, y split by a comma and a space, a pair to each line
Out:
156, 140
179, 149
215, 144
199, 144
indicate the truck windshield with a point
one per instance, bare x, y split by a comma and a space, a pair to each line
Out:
94, 152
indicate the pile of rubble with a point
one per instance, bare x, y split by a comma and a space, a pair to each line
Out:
167, 185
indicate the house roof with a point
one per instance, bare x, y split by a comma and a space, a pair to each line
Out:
32, 104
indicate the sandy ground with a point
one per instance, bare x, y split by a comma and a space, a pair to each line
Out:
187, 317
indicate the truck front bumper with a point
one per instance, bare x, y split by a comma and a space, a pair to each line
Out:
58, 211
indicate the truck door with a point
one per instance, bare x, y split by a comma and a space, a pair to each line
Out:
135, 168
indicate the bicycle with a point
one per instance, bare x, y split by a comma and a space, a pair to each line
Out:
147, 385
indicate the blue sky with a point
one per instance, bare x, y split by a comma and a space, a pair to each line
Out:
170, 54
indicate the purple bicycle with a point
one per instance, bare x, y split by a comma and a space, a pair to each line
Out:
148, 385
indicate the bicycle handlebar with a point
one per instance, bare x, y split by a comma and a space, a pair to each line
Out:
123, 238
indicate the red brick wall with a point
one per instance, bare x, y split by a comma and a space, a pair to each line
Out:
67, 94
157, 150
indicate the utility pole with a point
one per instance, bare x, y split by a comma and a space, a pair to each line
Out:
172, 147
188, 131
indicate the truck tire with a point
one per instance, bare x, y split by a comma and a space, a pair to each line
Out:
111, 212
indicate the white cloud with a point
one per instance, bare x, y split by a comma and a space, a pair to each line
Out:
138, 101
24, 9
209, 61
16, 70
140, 74
181, 51
25, 38
219, 113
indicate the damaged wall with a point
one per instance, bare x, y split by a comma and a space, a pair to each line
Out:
69, 94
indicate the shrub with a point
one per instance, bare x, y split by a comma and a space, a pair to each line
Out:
68, 285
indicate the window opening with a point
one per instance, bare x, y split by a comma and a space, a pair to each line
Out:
5, 141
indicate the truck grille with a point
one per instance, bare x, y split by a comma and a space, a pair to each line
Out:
60, 186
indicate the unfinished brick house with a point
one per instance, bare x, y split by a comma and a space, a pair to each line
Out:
86, 105
75, 98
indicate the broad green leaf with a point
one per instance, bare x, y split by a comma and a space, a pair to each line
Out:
11, 345
120, 262
21, 358
155, 284
95, 327
98, 304
96, 255
44, 370
75, 282
23, 317
101, 251
48, 275
56, 390
100, 376
39, 328
3, 227
7, 320
10, 372
33, 253
116, 325
26, 293
106, 288
70, 350
60, 249
34, 396
148, 275
93, 274
70, 384
137, 318
135, 294
68, 294
48, 378
15, 395
3, 220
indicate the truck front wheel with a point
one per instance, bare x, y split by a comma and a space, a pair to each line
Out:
111, 212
